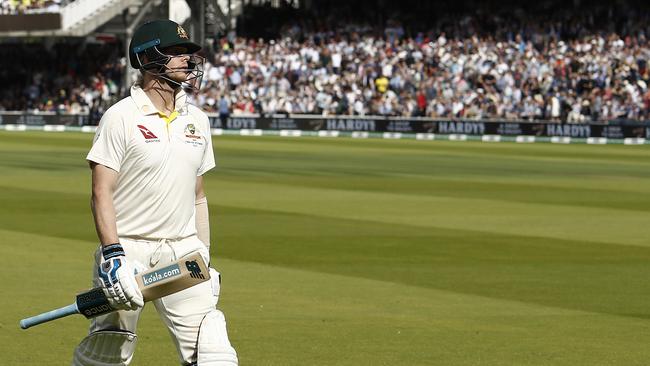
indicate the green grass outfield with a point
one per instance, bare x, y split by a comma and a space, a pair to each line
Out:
365, 252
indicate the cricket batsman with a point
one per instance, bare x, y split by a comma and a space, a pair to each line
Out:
148, 157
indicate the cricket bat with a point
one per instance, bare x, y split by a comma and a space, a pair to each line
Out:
154, 284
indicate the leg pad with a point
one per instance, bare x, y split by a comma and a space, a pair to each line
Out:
214, 348
105, 348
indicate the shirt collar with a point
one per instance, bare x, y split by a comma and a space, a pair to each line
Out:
146, 106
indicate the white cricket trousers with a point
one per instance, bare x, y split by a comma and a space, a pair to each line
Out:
181, 312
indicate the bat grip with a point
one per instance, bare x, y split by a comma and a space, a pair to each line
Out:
48, 316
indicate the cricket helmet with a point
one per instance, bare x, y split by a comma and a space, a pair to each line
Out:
147, 51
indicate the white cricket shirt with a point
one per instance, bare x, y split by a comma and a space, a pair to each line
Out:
158, 159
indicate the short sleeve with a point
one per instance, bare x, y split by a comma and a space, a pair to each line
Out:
109, 145
207, 162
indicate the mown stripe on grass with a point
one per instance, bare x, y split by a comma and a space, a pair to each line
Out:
485, 215
40, 140
313, 161
384, 147
52, 160
481, 215
529, 192
56, 214
562, 273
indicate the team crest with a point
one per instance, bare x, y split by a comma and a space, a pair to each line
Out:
191, 137
181, 32
190, 129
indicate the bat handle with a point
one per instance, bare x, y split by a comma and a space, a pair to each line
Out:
50, 315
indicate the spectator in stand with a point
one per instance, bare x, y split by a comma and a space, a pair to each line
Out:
224, 109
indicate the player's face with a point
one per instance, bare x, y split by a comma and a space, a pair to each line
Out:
178, 64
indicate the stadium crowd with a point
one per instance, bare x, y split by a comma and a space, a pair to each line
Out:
61, 77
31, 6
569, 67
591, 78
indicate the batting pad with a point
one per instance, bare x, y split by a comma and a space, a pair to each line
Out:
214, 346
105, 348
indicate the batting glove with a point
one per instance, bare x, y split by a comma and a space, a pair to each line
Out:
118, 279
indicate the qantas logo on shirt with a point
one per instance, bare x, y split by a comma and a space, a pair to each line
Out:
146, 133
